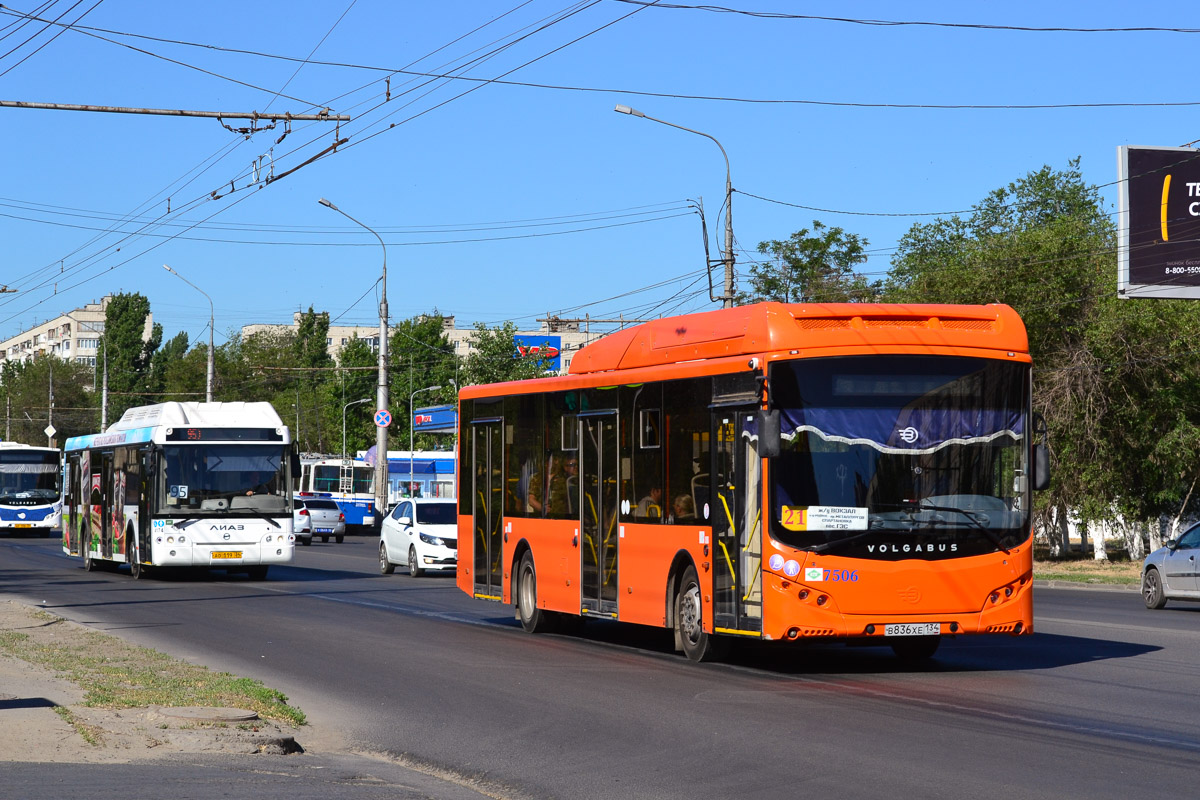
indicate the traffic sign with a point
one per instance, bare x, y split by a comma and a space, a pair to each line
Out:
383, 418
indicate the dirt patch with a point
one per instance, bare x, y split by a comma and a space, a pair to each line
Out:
47, 715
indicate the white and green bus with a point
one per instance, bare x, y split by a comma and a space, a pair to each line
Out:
204, 485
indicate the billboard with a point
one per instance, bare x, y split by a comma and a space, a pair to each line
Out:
547, 347
1158, 228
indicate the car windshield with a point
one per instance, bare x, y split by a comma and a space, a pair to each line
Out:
29, 476
224, 479
437, 513
893, 457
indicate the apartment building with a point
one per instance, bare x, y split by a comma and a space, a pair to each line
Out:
73, 336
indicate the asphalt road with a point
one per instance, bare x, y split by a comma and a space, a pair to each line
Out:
1098, 703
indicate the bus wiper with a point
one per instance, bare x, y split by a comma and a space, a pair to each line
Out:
970, 515
821, 548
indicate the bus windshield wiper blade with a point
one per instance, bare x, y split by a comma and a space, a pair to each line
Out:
971, 516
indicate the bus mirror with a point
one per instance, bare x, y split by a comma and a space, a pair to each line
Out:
769, 443
295, 463
1041, 467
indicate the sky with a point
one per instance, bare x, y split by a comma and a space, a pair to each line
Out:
507, 188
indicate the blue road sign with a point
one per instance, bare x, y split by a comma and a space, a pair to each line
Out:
383, 418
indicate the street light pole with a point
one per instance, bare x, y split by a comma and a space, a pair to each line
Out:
410, 431
211, 324
727, 298
381, 457
344, 409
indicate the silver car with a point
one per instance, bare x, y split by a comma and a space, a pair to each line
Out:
327, 518
422, 533
1170, 572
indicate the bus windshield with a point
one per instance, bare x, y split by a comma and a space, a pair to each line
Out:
29, 476
219, 478
895, 457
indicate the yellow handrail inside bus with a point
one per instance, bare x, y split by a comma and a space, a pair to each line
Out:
754, 580
728, 562
753, 531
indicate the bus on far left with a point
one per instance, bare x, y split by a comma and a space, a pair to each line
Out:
196, 485
30, 488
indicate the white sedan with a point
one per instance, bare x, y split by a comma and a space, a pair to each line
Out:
422, 533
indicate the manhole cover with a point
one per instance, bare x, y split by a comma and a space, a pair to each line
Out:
208, 714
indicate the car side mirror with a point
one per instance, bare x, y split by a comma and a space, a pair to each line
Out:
1170, 543
405, 521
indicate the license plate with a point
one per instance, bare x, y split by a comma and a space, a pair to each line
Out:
913, 629
22, 525
324, 530
227, 554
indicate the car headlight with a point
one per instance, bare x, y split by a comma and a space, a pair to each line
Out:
434, 540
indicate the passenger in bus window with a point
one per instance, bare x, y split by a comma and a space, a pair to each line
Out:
563, 472
650, 506
683, 509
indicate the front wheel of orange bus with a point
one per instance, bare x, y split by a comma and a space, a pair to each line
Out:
689, 621
533, 619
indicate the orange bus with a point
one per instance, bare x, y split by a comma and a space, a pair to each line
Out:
779, 472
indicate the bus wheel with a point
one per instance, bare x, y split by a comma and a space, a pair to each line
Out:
914, 649
88, 564
258, 573
533, 619
385, 567
136, 571
689, 620
414, 568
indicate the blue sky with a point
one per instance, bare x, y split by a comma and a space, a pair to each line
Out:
501, 201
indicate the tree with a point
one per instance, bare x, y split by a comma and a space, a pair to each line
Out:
811, 267
1115, 380
126, 351
173, 350
25, 400
494, 357
420, 355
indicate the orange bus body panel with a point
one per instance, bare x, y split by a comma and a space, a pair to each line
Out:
989, 593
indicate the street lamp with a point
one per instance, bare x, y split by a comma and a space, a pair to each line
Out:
211, 319
410, 431
381, 457
344, 409
728, 296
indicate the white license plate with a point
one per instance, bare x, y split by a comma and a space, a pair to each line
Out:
913, 629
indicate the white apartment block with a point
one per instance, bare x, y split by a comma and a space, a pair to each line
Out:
73, 336
565, 335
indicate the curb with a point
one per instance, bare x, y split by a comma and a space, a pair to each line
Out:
1093, 587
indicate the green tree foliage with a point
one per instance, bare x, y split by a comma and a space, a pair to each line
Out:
357, 380
171, 351
420, 356
814, 266
25, 400
494, 357
126, 352
311, 341
1116, 380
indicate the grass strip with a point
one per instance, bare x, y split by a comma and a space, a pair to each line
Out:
116, 674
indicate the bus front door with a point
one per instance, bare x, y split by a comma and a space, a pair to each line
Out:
598, 514
486, 452
737, 524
